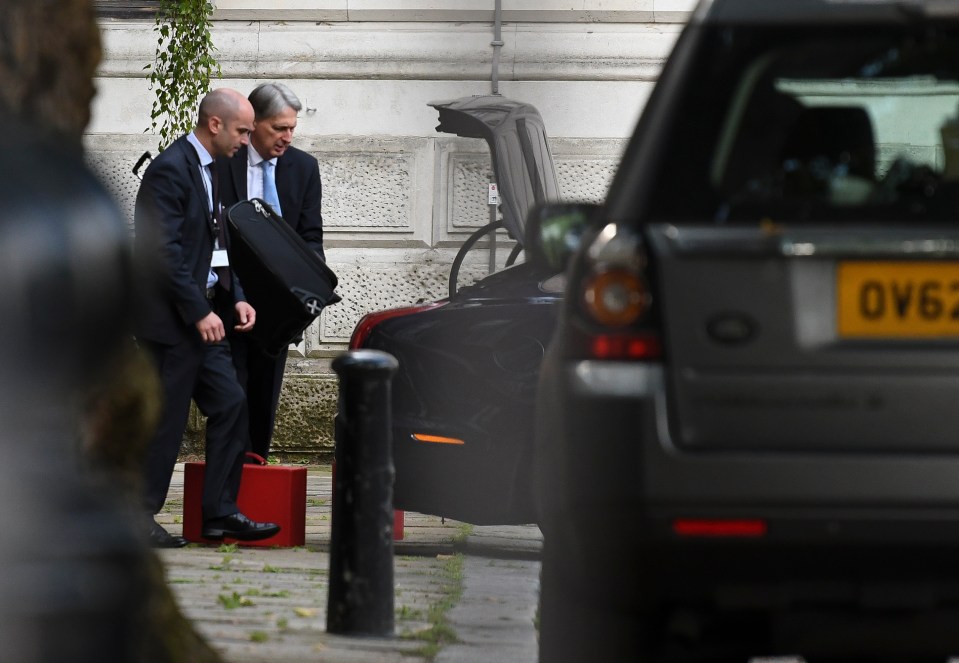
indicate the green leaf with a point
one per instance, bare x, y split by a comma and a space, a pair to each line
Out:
183, 65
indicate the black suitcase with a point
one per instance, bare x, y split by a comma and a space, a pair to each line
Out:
284, 280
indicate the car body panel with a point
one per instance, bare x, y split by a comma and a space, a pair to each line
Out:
463, 397
468, 371
516, 136
783, 378
764, 407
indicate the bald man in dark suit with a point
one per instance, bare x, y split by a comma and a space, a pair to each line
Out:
181, 316
288, 179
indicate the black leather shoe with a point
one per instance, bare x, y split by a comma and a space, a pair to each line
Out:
238, 527
160, 538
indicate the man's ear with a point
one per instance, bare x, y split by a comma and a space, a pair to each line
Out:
215, 125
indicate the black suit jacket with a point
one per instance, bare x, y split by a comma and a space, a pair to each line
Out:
299, 188
174, 239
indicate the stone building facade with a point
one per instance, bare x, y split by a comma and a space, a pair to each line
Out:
398, 197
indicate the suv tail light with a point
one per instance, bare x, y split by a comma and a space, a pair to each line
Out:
613, 299
625, 346
721, 528
632, 345
369, 321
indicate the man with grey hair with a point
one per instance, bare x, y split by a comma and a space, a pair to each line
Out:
288, 179
182, 316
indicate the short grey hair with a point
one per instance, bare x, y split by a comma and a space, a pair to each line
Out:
271, 99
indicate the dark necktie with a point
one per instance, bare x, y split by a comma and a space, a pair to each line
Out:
224, 276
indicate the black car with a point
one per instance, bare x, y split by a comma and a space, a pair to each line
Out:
747, 430
463, 398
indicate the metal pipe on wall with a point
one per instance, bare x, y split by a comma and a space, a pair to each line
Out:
497, 43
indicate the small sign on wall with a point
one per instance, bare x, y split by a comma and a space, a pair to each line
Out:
493, 194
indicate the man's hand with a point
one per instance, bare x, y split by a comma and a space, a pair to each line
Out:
245, 316
211, 328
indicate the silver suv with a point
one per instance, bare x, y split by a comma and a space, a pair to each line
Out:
748, 420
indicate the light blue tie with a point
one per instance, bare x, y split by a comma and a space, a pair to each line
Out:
270, 195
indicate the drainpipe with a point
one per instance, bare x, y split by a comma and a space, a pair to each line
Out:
497, 43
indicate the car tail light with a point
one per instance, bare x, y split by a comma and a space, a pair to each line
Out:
625, 346
721, 528
615, 297
369, 321
614, 303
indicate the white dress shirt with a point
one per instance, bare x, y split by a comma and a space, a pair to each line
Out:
206, 165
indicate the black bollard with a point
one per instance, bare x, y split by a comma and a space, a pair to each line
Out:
361, 540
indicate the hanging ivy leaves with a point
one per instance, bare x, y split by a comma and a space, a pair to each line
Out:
183, 67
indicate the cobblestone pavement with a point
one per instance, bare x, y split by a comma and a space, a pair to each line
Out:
462, 593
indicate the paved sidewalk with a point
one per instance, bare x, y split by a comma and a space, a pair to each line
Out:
269, 604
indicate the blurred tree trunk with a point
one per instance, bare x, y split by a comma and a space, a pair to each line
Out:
49, 52
121, 414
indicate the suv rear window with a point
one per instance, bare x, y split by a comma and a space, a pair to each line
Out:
816, 123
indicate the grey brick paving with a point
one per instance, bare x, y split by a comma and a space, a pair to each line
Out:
269, 604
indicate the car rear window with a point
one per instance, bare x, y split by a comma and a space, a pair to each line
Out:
794, 123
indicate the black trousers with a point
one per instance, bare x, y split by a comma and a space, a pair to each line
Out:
262, 378
204, 373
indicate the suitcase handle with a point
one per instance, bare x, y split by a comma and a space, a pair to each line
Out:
254, 459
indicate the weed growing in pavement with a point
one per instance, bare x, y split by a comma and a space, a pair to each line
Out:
228, 548
224, 565
315, 501
270, 569
454, 570
405, 612
440, 633
282, 623
281, 594
259, 636
234, 600
462, 533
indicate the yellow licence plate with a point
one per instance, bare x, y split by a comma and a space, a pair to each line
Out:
897, 299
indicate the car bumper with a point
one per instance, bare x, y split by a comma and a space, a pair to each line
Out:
613, 487
605, 444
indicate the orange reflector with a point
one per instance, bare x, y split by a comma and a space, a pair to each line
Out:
720, 528
615, 298
437, 439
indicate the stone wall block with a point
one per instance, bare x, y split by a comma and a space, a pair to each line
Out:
363, 191
304, 418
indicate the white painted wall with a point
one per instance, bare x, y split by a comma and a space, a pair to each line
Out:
645, 11
400, 198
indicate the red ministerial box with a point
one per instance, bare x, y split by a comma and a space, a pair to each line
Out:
268, 493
